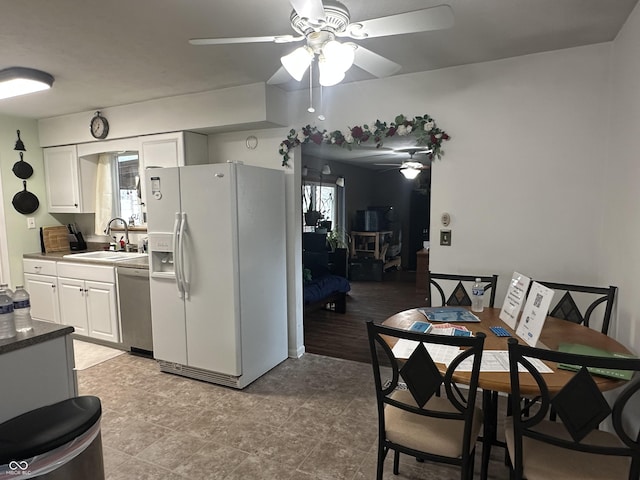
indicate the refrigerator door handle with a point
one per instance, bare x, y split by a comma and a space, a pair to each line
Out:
183, 254
176, 254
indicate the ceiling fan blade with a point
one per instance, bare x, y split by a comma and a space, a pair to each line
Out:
375, 64
225, 41
310, 9
281, 76
434, 18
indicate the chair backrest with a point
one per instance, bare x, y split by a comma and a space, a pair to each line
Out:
584, 299
459, 295
420, 375
580, 406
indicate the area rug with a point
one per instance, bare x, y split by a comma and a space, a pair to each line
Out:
90, 354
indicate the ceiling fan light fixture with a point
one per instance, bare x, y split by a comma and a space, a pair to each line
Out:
340, 55
329, 76
409, 172
297, 62
17, 81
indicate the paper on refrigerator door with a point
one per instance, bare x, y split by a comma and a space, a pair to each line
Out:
514, 299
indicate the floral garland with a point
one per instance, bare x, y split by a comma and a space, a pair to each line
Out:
423, 127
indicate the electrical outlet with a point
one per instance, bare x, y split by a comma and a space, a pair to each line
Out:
445, 238
31, 223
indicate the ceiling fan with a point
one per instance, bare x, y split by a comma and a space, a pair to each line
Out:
320, 22
409, 168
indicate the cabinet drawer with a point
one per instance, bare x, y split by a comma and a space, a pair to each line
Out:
96, 273
42, 267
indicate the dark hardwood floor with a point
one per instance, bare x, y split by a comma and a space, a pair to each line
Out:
344, 335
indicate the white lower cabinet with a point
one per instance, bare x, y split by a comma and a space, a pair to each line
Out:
43, 293
89, 307
88, 300
41, 281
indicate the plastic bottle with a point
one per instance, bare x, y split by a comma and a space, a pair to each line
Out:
5, 287
22, 310
477, 296
7, 324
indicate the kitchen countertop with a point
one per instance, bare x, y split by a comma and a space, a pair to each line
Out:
42, 331
138, 262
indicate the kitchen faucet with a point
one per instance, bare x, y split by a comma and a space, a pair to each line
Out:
107, 231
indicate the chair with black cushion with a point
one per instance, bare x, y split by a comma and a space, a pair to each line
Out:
411, 418
459, 295
588, 298
573, 446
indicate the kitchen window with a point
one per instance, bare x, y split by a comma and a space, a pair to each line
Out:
127, 179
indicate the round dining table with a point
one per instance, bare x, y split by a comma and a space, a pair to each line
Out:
554, 332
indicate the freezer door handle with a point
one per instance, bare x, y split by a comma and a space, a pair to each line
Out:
184, 258
176, 254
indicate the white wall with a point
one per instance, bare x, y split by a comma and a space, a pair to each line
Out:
619, 261
522, 173
19, 239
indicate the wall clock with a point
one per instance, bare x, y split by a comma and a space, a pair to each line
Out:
99, 126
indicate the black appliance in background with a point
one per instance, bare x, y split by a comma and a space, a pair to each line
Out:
373, 219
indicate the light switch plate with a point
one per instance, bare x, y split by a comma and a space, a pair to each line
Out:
445, 238
31, 222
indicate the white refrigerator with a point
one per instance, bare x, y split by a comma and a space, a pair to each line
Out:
217, 271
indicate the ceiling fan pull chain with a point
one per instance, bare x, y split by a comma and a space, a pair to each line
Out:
321, 116
311, 109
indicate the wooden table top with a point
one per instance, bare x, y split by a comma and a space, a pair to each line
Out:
554, 332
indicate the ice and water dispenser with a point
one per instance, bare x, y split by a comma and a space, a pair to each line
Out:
161, 255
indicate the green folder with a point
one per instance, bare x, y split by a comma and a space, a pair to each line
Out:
595, 352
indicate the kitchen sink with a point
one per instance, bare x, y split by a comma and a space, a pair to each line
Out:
104, 256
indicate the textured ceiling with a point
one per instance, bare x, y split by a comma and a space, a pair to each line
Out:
116, 52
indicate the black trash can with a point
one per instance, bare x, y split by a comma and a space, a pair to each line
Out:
57, 442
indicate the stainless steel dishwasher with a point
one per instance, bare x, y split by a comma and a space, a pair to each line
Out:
135, 309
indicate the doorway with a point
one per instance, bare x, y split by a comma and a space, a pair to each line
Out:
343, 335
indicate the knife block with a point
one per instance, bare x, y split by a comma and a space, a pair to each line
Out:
76, 242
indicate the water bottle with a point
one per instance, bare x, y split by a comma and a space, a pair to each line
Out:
7, 324
22, 310
477, 296
5, 287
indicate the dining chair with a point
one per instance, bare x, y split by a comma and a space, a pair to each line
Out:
588, 298
411, 418
573, 446
459, 295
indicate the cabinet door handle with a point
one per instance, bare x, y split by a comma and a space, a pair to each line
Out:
75, 205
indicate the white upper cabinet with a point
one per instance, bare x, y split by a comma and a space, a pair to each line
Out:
175, 149
70, 180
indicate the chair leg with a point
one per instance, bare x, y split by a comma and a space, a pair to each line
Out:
396, 462
380, 467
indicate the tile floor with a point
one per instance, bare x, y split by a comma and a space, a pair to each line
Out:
313, 418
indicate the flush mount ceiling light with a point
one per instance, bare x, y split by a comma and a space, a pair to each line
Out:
16, 81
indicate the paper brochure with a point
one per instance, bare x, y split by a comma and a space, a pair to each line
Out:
514, 299
448, 314
534, 313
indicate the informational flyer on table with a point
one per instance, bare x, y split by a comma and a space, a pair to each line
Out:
514, 299
534, 313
